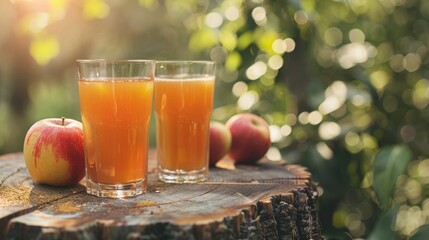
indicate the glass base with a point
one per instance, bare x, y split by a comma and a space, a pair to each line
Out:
180, 176
116, 190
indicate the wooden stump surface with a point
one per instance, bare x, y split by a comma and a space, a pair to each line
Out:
268, 200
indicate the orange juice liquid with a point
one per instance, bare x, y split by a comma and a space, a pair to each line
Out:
115, 115
183, 109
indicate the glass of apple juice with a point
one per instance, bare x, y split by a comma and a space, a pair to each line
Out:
183, 97
116, 104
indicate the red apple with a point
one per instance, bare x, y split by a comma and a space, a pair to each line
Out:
54, 152
250, 137
220, 142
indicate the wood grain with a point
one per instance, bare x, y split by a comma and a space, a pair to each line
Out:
268, 200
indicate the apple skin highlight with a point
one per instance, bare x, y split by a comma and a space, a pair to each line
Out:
54, 152
250, 137
220, 142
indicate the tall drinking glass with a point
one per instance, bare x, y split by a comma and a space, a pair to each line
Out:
183, 95
115, 105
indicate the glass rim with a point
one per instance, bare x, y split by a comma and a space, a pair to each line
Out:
185, 62
102, 60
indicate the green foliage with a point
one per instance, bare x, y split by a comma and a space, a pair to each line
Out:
389, 164
422, 233
384, 226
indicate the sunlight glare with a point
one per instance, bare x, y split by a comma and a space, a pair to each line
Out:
256, 70
335, 96
274, 154
239, 88
259, 15
232, 13
247, 100
329, 130
324, 150
214, 20
275, 133
275, 62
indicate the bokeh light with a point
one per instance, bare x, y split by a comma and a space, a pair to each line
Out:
259, 15
232, 13
256, 70
247, 100
214, 20
329, 130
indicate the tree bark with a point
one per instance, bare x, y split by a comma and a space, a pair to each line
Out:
268, 200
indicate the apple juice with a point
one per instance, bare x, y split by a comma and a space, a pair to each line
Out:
115, 115
183, 108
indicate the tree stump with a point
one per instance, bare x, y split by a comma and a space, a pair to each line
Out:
268, 200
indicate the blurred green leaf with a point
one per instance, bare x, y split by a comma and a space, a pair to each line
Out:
384, 226
421, 234
95, 9
228, 40
265, 38
389, 164
44, 48
245, 40
233, 61
203, 39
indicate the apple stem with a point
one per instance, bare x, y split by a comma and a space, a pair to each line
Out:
63, 119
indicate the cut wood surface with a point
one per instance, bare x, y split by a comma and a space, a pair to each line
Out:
268, 200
